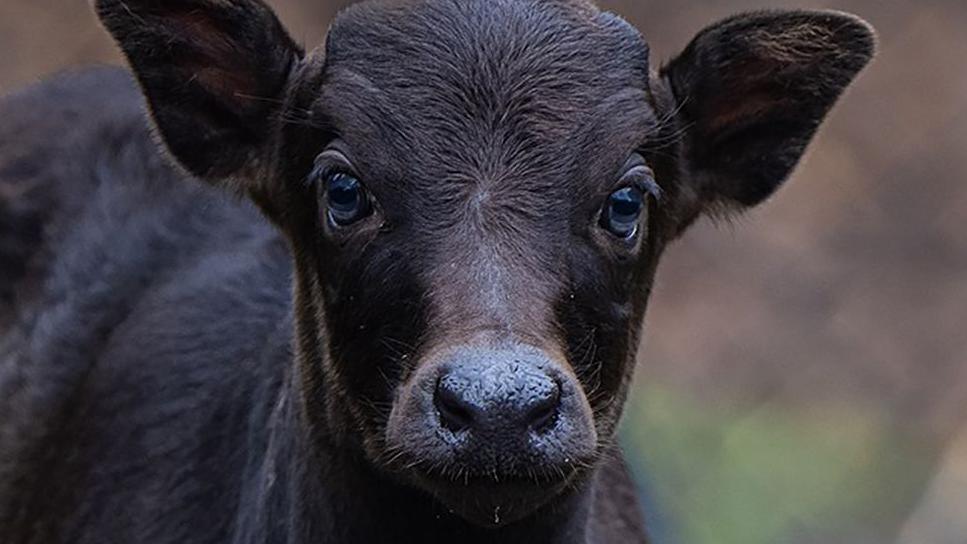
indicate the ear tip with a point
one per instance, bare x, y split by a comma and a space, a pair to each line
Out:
854, 35
861, 34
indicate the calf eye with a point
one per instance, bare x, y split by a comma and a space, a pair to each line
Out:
346, 198
622, 212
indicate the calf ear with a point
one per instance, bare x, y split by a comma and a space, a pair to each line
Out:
753, 89
214, 74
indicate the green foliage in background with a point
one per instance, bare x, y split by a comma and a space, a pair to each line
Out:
771, 474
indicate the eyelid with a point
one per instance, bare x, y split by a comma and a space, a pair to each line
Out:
333, 155
331, 161
642, 178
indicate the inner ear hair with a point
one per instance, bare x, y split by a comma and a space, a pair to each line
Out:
213, 73
754, 88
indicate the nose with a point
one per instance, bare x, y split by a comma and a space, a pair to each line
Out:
497, 399
494, 411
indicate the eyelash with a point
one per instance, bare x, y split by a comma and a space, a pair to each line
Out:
321, 173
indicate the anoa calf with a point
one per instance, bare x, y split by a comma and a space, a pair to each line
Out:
431, 337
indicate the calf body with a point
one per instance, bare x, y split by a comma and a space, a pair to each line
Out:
152, 373
424, 327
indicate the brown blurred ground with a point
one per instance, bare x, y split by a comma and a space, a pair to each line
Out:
849, 287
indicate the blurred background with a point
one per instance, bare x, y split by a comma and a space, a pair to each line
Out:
803, 377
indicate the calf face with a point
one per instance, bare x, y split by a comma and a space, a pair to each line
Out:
476, 195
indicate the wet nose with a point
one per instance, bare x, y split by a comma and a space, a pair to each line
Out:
496, 411
497, 398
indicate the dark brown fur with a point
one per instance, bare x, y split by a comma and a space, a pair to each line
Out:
161, 381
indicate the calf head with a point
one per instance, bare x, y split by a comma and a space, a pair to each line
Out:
476, 195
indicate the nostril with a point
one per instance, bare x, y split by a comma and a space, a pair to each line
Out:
543, 413
455, 414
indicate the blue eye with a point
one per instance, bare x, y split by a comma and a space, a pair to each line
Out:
346, 198
622, 212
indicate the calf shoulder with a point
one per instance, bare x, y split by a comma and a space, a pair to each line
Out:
147, 336
145, 324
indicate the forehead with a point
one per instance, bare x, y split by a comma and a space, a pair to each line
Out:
480, 83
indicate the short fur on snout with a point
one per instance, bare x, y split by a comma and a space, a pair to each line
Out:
470, 198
